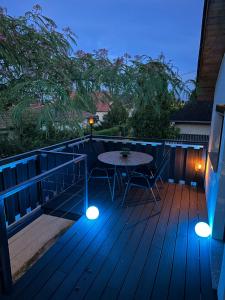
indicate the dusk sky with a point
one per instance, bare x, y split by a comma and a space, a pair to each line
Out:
134, 26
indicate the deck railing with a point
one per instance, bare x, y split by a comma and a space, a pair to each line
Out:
54, 173
28, 181
187, 160
185, 156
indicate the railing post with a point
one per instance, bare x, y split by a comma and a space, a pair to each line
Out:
86, 184
5, 268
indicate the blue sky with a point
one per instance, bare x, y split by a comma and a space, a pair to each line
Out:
134, 26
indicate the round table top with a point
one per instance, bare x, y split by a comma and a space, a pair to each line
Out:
134, 158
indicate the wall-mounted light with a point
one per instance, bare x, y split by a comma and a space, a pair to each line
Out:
198, 167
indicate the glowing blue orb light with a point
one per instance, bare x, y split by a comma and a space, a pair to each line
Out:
202, 229
92, 213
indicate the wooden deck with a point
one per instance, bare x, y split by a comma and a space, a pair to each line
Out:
128, 253
30, 243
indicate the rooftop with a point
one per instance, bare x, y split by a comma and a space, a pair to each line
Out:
212, 48
194, 112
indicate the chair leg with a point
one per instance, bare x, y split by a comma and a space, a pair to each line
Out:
120, 178
157, 190
154, 197
160, 178
107, 177
89, 177
110, 189
125, 193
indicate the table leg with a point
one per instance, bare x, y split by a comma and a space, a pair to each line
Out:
114, 183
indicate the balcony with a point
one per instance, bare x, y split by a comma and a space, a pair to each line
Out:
140, 250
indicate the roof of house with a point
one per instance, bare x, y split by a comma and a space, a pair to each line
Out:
212, 48
101, 100
194, 112
102, 107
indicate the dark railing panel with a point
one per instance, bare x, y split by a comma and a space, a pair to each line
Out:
5, 269
23, 201
9, 180
34, 190
179, 163
183, 156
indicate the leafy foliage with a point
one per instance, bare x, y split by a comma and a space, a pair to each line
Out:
112, 131
149, 125
117, 116
36, 67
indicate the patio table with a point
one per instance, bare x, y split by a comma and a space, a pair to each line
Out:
114, 158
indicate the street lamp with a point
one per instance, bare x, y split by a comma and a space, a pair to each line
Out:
91, 122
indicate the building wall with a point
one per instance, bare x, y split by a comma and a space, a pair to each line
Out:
101, 115
193, 129
215, 178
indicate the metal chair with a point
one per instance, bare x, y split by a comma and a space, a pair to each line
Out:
102, 173
152, 168
144, 181
100, 170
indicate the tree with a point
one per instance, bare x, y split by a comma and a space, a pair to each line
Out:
36, 66
117, 116
156, 91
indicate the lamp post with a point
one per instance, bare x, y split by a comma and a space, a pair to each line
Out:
91, 122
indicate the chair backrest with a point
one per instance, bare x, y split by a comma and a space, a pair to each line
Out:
162, 166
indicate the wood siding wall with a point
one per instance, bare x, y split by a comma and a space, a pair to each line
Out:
212, 48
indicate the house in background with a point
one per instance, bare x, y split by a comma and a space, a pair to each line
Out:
102, 109
194, 118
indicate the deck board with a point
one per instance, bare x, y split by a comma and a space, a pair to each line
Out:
162, 279
177, 280
130, 252
204, 262
134, 271
34, 239
192, 289
147, 279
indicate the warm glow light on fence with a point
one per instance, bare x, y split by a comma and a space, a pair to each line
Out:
202, 229
198, 167
92, 213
